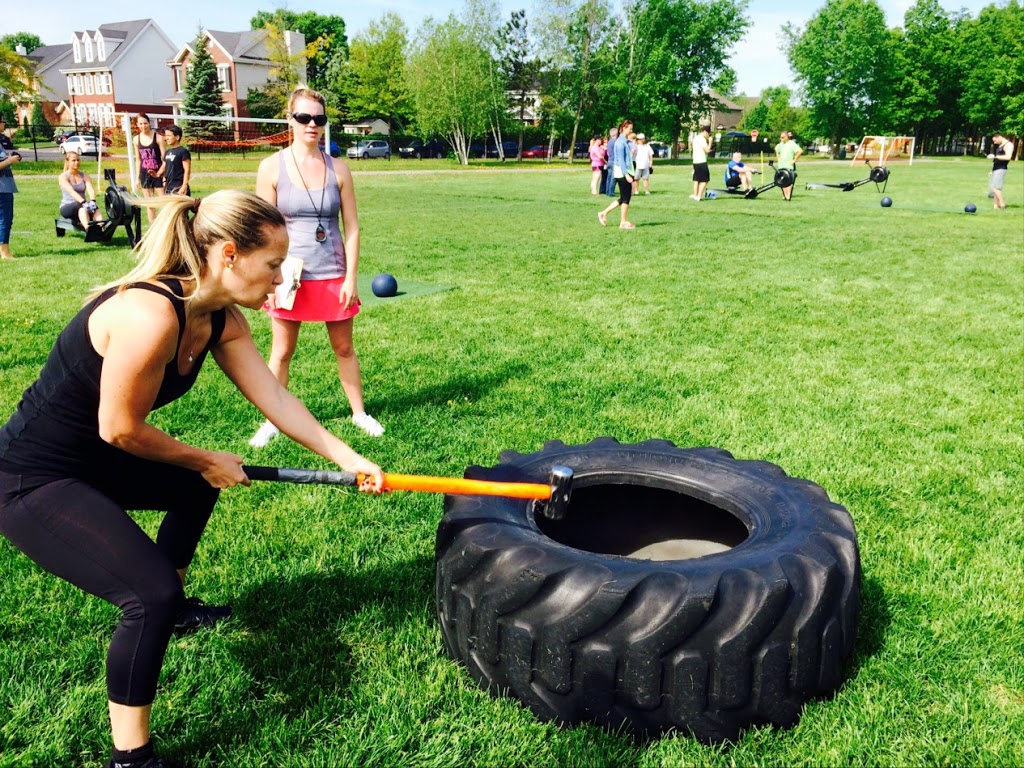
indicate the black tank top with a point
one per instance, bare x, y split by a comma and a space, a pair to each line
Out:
55, 430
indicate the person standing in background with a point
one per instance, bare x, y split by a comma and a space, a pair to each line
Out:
1002, 153
313, 191
8, 157
701, 147
149, 150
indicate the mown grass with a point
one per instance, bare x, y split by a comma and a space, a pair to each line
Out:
876, 352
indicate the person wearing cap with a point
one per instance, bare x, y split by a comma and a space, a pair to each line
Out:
701, 146
8, 157
644, 158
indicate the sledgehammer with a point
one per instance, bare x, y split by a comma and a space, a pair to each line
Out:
551, 500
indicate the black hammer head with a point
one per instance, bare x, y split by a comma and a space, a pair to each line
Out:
561, 489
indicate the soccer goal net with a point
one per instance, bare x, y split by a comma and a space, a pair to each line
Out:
883, 150
209, 137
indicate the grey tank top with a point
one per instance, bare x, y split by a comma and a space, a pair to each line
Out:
65, 196
320, 261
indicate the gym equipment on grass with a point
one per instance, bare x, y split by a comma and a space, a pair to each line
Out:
120, 212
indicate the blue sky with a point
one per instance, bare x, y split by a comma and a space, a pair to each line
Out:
756, 58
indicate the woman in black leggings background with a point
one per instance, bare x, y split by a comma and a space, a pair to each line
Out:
78, 452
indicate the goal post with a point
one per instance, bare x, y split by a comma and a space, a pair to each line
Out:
884, 149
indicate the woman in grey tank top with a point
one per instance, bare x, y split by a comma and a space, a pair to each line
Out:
313, 191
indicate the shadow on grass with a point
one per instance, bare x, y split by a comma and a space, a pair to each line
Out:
445, 389
291, 643
872, 625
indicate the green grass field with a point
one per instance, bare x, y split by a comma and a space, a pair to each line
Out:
879, 353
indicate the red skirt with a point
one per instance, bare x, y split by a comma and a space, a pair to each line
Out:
317, 301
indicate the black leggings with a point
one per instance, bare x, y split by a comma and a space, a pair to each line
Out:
625, 191
80, 532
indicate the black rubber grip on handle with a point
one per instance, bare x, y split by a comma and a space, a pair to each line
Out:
307, 476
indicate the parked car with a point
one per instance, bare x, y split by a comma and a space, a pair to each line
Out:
540, 150
582, 150
61, 136
368, 148
82, 143
508, 149
660, 150
418, 149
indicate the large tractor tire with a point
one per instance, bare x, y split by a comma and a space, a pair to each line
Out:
683, 589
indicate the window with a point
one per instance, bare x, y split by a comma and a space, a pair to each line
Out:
77, 46
71, 85
229, 113
88, 84
88, 48
224, 76
78, 85
101, 48
108, 84
179, 79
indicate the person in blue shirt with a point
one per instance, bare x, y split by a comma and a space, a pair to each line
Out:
738, 175
622, 170
609, 181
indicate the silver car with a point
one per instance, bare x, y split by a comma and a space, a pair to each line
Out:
83, 144
369, 148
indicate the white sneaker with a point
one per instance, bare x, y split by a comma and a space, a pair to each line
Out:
264, 435
694, 197
368, 424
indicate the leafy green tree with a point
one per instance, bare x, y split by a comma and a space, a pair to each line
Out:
775, 112
8, 111
376, 82
993, 84
576, 45
202, 90
27, 39
928, 74
843, 61
325, 38
15, 71
449, 79
39, 122
681, 50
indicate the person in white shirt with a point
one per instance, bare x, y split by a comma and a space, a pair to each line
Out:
701, 175
644, 162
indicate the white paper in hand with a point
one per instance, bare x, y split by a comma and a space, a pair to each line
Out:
291, 271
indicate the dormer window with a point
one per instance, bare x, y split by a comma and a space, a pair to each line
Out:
88, 48
76, 44
101, 48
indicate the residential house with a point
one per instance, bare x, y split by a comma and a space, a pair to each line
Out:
367, 126
48, 85
115, 68
243, 62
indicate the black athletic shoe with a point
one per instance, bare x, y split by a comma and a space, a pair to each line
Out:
195, 614
151, 762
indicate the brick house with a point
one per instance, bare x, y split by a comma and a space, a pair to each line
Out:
243, 62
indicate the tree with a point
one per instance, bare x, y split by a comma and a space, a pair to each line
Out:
8, 111
202, 89
520, 68
993, 85
375, 81
843, 61
775, 112
449, 82
15, 72
40, 124
681, 49
576, 45
27, 39
928, 74
325, 38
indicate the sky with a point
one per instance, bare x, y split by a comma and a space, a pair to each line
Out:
756, 58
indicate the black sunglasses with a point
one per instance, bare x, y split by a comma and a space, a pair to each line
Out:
303, 118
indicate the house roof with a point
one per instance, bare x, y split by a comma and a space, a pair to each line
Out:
235, 44
45, 56
726, 103
126, 33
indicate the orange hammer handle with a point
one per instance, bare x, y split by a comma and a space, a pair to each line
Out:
462, 487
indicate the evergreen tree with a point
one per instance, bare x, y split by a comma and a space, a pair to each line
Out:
202, 90
39, 122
